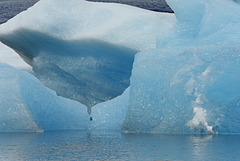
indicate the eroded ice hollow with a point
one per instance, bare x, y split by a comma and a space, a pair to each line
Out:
85, 51
87, 70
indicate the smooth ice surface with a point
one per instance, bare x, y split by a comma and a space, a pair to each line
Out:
188, 13
27, 105
118, 24
111, 114
9, 56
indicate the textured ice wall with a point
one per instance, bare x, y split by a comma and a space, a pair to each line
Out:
14, 115
191, 83
186, 91
28, 106
89, 71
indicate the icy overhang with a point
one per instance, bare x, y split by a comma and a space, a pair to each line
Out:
89, 71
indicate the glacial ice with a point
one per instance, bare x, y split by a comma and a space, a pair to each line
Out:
88, 58
89, 71
9, 56
138, 70
193, 84
28, 106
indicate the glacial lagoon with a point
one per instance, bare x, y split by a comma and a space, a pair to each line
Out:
192, 61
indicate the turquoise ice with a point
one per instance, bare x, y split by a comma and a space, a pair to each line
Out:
134, 70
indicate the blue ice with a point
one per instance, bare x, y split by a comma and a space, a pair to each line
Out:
138, 71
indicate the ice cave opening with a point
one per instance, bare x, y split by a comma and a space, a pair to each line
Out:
90, 71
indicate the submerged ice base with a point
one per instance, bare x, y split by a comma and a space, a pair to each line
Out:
184, 70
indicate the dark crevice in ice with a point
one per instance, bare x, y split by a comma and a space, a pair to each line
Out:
89, 71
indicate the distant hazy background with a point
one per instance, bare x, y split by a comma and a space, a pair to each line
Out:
154, 5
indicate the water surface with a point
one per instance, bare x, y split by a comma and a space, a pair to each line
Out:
10, 8
112, 145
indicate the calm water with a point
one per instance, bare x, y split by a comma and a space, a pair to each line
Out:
99, 145
9, 8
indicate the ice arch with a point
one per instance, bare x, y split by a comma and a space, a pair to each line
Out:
89, 71
70, 46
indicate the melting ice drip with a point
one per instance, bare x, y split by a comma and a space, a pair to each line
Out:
89, 71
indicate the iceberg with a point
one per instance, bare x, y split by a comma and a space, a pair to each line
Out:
88, 58
133, 70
